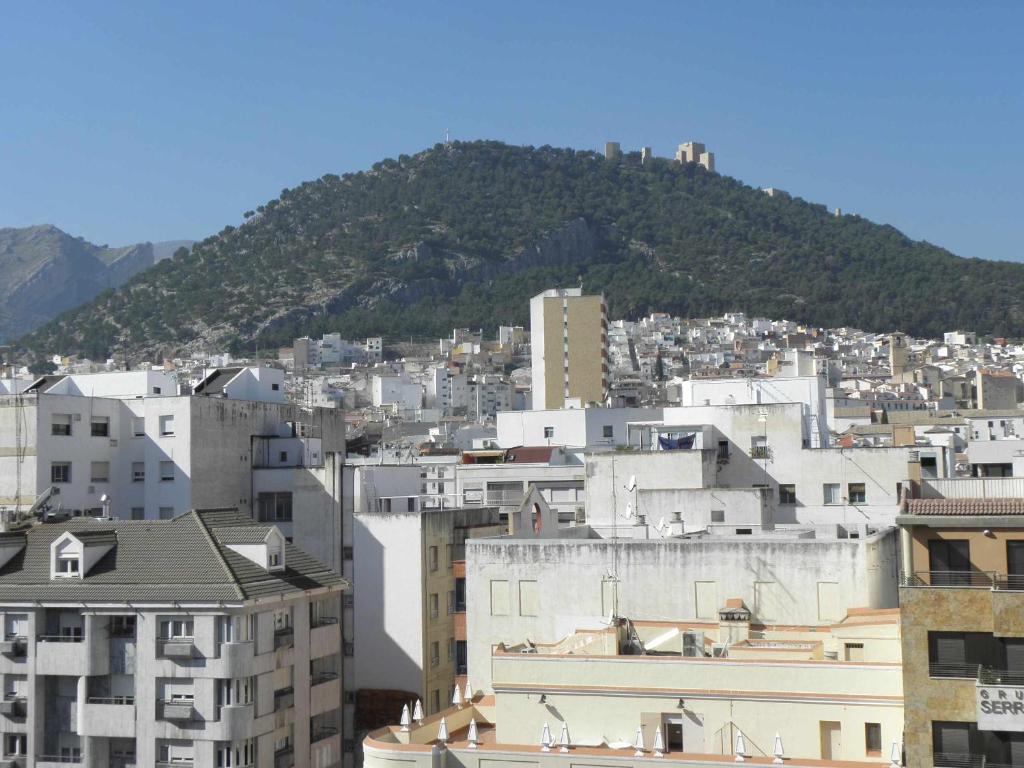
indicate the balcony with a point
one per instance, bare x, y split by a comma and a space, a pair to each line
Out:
12, 761
965, 760
108, 717
71, 656
503, 498
324, 640
284, 698
959, 671
235, 722
175, 709
15, 646
176, 647
325, 695
13, 706
321, 733
284, 758
50, 761
284, 638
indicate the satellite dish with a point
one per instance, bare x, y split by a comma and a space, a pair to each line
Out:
629, 510
631, 485
104, 498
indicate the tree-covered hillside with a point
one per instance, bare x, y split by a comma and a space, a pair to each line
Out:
463, 235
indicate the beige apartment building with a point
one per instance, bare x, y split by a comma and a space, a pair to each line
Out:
684, 693
568, 338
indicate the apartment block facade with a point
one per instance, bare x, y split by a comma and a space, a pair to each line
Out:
568, 338
204, 641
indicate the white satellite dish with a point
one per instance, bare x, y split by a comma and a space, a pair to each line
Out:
631, 485
629, 510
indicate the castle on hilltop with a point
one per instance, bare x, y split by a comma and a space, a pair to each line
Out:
689, 152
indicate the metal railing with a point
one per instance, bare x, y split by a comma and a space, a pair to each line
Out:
323, 732
284, 638
119, 700
324, 677
990, 676
58, 759
283, 758
965, 760
60, 638
964, 671
322, 621
978, 579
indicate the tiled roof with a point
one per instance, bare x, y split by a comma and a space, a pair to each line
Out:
214, 383
950, 507
529, 454
242, 534
179, 560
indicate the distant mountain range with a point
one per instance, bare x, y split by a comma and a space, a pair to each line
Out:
44, 272
462, 235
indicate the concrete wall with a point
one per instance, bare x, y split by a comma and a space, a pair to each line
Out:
776, 578
576, 428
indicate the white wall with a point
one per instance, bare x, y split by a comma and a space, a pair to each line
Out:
577, 428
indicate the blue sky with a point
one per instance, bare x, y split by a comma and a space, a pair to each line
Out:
137, 121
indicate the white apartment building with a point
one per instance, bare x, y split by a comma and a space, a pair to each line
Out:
137, 450
589, 428
203, 641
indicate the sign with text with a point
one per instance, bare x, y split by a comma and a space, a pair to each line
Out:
1000, 708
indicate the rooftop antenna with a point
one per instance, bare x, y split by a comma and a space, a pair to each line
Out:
447, 138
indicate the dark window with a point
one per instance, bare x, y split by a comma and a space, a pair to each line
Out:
787, 494
549, 432
274, 506
275, 387
1015, 564
607, 431
60, 472
460, 595
100, 427
961, 654
461, 657
873, 738
723, 449
949, 561
717, 515
951, 742
857, 493
744, 531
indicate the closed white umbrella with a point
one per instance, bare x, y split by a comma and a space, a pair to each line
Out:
442, 732
741, 748
895, 755
563, 739
406, 720
639, 743
659, 743
474, 736
545, 739
468, 693
457, 697
777, 750
417, 712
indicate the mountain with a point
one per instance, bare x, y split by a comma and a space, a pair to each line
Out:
44, 271
167, 248
463, 235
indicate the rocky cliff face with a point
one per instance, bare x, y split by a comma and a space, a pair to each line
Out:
44, 272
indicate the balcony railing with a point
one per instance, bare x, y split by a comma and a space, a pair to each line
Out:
966, 671
175, 647
965, 760
60, 639
13, 705
175, 764
14, 645
284, 758
284, 638
324, 677
990, 676
976, 579
322, 621
322, 732
284, 698
116, 700
59, 759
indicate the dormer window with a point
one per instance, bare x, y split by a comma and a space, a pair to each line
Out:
68, 566
72, 555
275, 561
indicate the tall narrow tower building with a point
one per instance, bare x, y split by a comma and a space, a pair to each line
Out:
568, 338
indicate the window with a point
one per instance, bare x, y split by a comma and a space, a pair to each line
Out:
282, 457
166, 425
432, 558
959, 654
435, 654
873, 739
435, 701
275, 387
272, 507
60, 425
99, 472
608, 430
166, 471
138, 513
100, 426
451, 602
15, 743
166, 513
717, 515
433, 605
723, 450
275, 560
171, 629
138, 471
448, 551
949, 561
451, 649
857, 493
346, 553
831, 493
67, 566
156, 390
759, 447
138, 426
60, 472
549, 432
787, 494
853, 652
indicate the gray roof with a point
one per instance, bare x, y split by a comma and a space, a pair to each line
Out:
179, 560
243, 534
214, 383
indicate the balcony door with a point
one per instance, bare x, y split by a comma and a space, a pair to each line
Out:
1015, 564
949, 561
